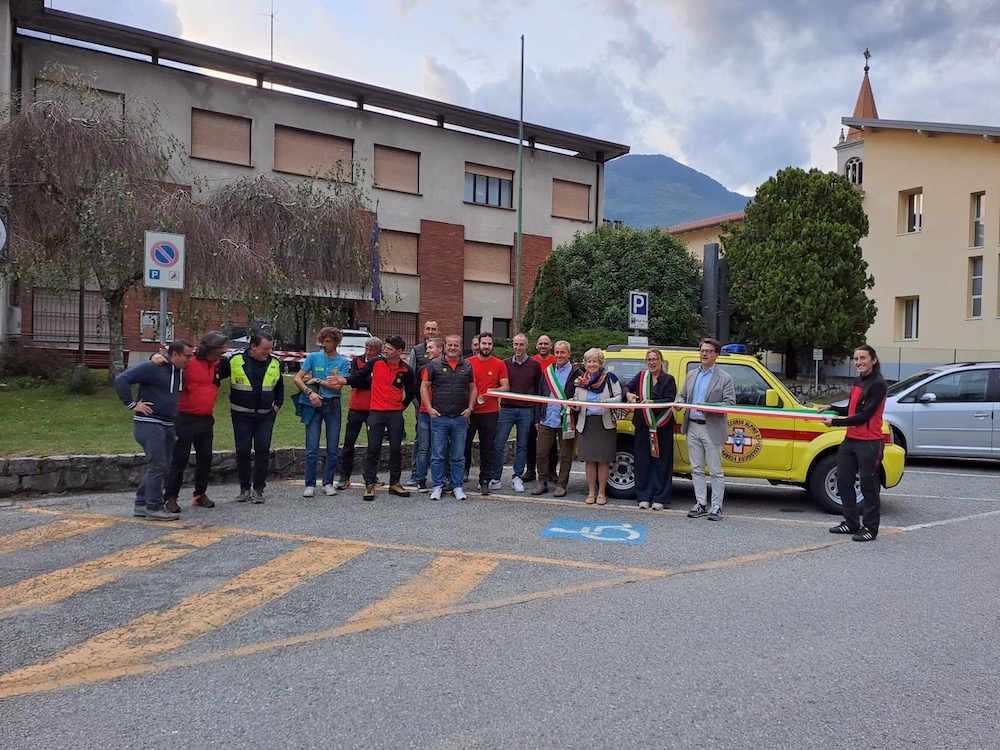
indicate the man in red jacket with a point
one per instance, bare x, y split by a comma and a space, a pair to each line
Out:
195, 423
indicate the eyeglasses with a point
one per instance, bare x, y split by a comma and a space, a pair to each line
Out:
708, 351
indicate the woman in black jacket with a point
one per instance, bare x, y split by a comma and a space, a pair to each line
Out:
653, 446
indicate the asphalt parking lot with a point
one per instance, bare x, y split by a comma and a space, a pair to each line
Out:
331, 622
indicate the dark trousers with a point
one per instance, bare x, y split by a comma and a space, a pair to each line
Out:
380, 423
532, 451
861, 458
548, 439
252, 434
355, 421
157, 441
192, 430
486, 426
654, 476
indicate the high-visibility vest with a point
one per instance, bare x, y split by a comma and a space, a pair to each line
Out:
242, 396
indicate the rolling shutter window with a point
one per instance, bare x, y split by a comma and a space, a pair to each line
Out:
220, 137
485, 262
396, 169
398, 251
503, 174
305, 152
570, 200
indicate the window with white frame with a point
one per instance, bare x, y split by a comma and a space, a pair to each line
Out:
978, 219
975, 307
907, 318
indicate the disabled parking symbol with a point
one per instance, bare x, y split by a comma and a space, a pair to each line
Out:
617, 532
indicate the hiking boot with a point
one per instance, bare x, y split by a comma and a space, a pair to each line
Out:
697, 511
308, 492
329, 490
201, 501
171, 505
398, 490
369, 493
244, 496
161, 514
258, 497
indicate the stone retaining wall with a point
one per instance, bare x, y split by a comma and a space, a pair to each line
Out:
125, 471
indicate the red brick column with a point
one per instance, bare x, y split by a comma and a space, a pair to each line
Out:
534, 250
441, 265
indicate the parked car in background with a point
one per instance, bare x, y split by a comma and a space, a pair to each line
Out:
353, 343
948, 411
783, 449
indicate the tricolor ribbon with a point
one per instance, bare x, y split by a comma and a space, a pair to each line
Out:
646, 388
565, 413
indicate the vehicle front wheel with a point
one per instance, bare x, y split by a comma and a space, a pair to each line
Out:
822, 484
621, 477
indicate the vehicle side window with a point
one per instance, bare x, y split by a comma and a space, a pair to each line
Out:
751, 388
960, 387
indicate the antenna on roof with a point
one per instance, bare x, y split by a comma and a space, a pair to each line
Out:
271, 15
867, 57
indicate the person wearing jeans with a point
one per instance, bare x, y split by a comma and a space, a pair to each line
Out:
523, 375
318, 381
433, 349
448, 392
155, 410
357, 412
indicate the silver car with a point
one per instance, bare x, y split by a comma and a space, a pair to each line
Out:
950, 411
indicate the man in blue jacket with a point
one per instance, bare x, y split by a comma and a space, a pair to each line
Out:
155, 410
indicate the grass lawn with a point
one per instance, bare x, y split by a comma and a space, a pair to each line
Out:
48, 421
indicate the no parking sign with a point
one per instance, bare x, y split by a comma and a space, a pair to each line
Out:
164, 261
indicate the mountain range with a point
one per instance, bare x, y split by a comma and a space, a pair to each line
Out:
652, 190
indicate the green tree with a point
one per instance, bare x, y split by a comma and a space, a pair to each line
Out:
597, 270
797, 278
547, 309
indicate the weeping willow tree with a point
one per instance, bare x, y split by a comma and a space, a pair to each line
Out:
84, 175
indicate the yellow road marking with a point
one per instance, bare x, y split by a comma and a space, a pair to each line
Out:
53, 532
124, 650
59, 585
446, 580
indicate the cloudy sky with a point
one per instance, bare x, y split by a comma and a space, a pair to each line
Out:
736, 89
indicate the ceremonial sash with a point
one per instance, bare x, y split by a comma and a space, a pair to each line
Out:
556, 389
646, 388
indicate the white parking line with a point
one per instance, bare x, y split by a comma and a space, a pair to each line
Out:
964, 474
946, 521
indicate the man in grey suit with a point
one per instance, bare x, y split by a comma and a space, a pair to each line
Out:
706, 431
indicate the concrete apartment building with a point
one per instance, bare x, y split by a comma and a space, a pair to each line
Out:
932, 196
444, 177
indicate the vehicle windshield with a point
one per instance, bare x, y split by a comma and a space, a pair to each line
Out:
901, 385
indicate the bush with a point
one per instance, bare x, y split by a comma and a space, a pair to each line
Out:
81, 381
31, 361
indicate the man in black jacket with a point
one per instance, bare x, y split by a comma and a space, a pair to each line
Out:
256, 395
448, 390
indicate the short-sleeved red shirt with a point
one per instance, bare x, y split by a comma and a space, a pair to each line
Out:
487, 374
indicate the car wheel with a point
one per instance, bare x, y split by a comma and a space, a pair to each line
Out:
823, 484
621, 477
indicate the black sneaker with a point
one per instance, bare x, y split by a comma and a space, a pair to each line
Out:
258, 497
171, 505
422, 488
715, 514
484, 488
842, 528
698, 511
865, 535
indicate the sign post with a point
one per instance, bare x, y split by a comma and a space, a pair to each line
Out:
817, 358
638, 311
163, 269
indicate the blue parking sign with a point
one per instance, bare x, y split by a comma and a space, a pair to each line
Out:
604, 530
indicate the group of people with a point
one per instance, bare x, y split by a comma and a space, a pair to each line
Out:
456, 400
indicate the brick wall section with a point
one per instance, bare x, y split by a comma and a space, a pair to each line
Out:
534, 250
441, 265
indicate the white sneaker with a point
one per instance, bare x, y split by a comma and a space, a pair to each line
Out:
329, 489
518, 484
308, 492
657, 506
459, 493
644, 505
436, 492
494, 484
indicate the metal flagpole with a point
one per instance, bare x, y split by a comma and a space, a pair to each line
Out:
520, 201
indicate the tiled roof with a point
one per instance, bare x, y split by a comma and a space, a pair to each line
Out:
713, 221
864, 108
